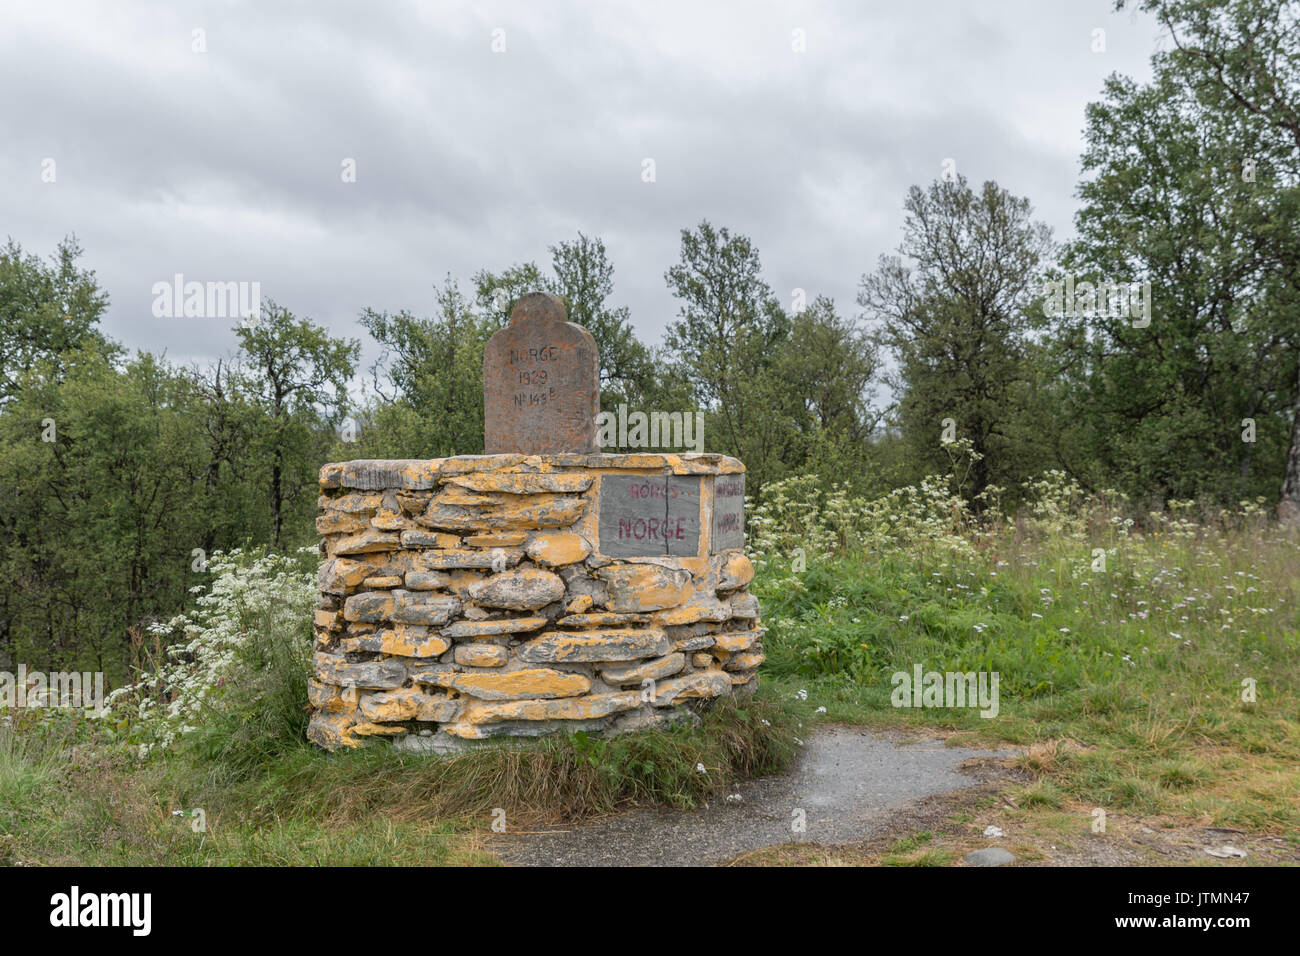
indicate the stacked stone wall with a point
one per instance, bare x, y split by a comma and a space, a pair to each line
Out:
473, 597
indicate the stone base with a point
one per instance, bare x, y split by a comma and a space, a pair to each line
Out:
491, 596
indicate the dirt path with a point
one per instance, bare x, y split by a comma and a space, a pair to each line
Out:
849, 785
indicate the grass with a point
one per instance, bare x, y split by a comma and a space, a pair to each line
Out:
1126, 686
93, 805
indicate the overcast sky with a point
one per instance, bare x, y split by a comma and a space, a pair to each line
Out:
225, 165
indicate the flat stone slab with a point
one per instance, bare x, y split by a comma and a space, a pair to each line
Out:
849, 782
990, 856
728, 512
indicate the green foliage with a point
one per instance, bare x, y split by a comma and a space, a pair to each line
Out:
725, 343
231, 675
957, 320
295, 377
103, 470
435, 370
1071, 603
48, 313
783, 393
1161, 410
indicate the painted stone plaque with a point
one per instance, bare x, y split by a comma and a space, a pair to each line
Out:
649, 516
728, 512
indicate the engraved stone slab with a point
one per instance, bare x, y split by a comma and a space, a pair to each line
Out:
649, 516
541, 382
728, 512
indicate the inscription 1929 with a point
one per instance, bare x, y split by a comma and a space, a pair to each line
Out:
541, 382
529, 365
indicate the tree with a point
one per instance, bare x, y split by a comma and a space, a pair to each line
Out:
104, 505
725, 342
1241, 59
46, 312
957, 319
583, 276
296, 376
825, 370
1161, 403
428, 382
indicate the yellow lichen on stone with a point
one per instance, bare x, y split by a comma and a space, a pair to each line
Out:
736, 571
650, 670
700, 684
511, 625
601, 619
523, 484
735, 641
421, 474
326, 619
644, 587
406, 641
409, 703
540, 683
745, 661
332, 729
502, 539
482, 655
558, 548
369, 606
427, 580
538, 511
523, 589
461, 498
614, 644
701, 607
341, 523
386, 520
416, 538
572, 708
368, 729
476, 579
363, 542
497, 559
533, 511
330, 698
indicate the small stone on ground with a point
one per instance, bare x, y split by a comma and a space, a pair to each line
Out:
993, 856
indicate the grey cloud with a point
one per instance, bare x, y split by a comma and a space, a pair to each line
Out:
225, 165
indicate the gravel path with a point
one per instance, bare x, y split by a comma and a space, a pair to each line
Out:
849, 783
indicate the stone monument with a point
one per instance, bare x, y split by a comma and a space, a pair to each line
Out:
541, 587
541, 382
